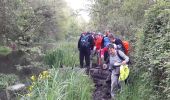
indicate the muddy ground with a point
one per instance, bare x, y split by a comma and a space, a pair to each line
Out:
102, 84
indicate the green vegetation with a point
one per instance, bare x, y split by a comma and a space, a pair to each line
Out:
5, 50
62, 85
66, 54
151, 69
145, 23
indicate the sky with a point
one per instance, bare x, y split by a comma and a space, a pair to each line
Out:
79, 4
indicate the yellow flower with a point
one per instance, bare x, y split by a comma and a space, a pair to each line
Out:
33, 78
45, 73
30, 88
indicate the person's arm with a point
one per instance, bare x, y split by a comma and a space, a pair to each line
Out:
126, 58
79, 43
103, 51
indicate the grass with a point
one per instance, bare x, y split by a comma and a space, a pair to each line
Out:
65, 54
138, 89
62, 85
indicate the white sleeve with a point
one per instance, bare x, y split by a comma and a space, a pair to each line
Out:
123, 56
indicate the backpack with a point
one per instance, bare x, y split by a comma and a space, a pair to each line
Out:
126, 46
84, 42
106, 41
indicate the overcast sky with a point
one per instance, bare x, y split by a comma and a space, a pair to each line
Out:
79, 4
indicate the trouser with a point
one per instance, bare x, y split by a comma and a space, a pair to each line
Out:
84, 54
106, 55
115, 83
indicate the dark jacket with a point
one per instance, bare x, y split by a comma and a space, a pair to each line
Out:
120, 45
90, 40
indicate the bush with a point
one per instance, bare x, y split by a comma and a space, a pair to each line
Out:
150, 73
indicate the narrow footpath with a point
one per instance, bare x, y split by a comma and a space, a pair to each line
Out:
102, 84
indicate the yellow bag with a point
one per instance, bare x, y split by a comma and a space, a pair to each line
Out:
124, 72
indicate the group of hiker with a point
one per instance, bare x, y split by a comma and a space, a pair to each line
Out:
111, 53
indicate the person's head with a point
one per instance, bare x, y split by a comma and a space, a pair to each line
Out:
107, 32
100, 34
97, 35
93, 33
111, 37
112, 48
84, 32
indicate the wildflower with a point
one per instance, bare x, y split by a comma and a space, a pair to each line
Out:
45, 74
33, 78
30, 87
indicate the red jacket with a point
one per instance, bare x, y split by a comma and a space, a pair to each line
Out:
98, 42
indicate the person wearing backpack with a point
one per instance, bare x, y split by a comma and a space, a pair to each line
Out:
97, 48
117, 41
116, 59
121, 45
105, 43
85, 45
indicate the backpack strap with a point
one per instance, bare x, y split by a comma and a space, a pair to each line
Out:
119, 55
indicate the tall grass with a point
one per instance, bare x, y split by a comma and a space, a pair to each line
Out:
138, 89
64, 54
63, 85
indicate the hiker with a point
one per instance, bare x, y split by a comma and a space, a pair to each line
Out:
116, 58
105, 43
85, 45
98, 43
121, 45
105, 40
116, 41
